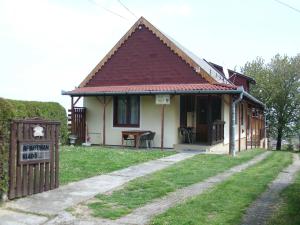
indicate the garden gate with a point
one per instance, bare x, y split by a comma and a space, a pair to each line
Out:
33, 157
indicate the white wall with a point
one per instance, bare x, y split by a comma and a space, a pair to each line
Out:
226, 117
150, 119
94, 115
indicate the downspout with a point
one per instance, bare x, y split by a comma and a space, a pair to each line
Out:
232, 121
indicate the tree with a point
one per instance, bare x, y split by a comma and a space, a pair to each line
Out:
278, 86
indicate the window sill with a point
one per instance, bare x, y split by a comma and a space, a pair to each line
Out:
126, 126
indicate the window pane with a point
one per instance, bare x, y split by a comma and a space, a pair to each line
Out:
134, 110
122, 112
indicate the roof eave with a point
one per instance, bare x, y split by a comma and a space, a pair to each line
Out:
152, 92
252, 98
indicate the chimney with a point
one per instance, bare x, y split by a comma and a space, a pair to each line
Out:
225, 71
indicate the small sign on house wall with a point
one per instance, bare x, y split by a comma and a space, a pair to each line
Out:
162, 99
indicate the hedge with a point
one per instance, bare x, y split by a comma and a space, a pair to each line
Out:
14, 109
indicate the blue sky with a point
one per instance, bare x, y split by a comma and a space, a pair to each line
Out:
49, 46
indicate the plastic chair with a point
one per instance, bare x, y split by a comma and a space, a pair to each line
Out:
147, 139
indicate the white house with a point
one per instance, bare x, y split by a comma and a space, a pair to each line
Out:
149, 82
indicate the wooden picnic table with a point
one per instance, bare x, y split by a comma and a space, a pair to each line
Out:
136, 136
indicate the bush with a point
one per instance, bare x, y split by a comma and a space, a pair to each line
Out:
13, 109
6, 113
290, 147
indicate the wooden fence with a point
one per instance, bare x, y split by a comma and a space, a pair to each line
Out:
28, 175
77, 126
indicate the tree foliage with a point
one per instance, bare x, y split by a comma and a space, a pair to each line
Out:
278, 87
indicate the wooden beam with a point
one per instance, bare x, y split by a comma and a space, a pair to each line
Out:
230, 115
76, 101
99, 100
72, 115
251, 127
104, 112
162, 126
209, 120
240, 119
246, 125
255, 130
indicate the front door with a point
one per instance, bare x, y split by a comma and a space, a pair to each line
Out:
202, 119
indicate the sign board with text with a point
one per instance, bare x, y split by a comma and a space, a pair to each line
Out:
162, 99
34, 152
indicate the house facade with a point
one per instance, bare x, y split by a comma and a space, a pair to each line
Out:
149, 82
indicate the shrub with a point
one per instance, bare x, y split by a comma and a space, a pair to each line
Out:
14, 109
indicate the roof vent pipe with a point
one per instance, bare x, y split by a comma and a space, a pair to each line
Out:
232, 121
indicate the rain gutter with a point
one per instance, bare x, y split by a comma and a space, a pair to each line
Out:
152, 92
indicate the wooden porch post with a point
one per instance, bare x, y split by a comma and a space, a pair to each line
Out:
259, 128
162, 125
251, 127
209, 121
240, 127
246, 125
72, 115
230, 115
255, 130
104, 110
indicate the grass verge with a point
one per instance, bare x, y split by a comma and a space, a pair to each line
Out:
77, 163
143, 190
288, 211
227, 202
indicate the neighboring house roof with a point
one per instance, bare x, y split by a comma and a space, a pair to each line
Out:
232, 72
155, 89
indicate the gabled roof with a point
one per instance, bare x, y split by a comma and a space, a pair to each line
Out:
203, 68
215, 80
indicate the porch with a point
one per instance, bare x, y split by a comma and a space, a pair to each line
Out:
201, 119
204, 116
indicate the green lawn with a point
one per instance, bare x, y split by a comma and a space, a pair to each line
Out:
227, 202
77, 163
142, 190
289, 210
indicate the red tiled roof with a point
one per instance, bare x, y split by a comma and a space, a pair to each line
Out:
157, 88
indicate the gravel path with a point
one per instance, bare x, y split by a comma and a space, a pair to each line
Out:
143, 215
262, 209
